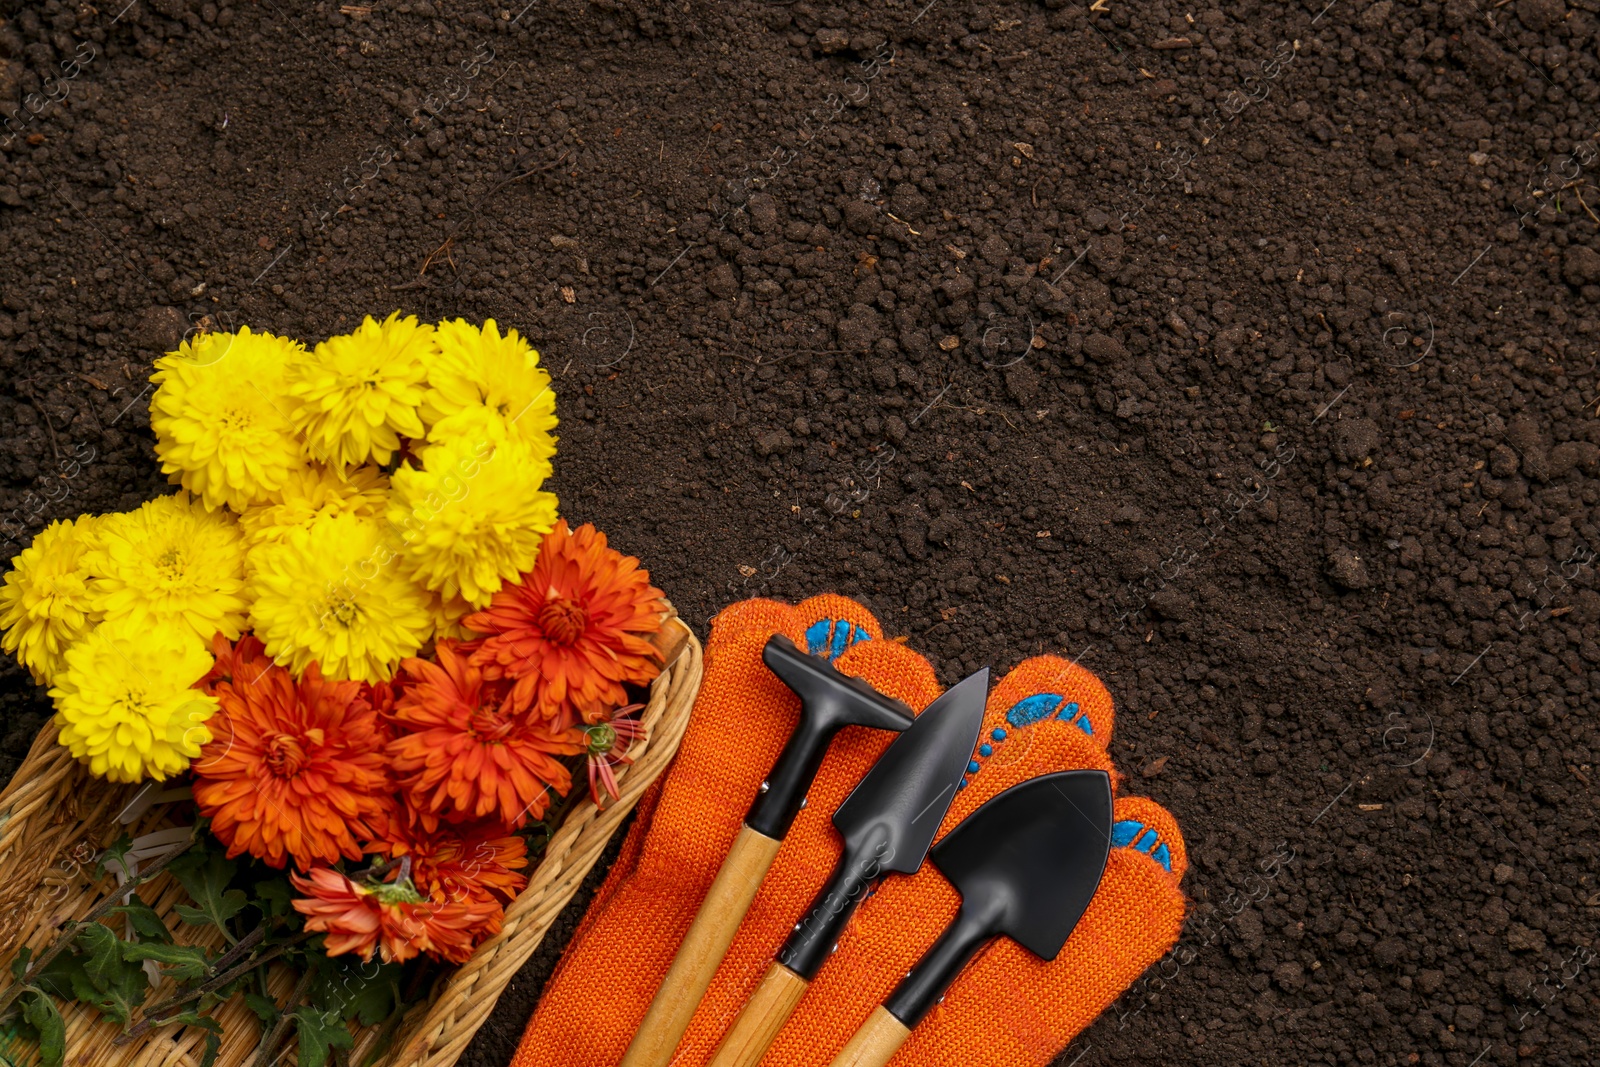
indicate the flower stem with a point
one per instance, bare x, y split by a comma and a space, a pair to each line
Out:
281, 1029
158, 1015
243, 945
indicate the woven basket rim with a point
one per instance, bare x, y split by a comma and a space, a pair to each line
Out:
52, 802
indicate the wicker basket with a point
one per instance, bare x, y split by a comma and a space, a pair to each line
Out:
53, 815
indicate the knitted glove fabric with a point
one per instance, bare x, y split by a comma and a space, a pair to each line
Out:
1008, 1008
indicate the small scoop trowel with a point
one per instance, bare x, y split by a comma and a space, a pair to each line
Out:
887, 823
1026, 863
829, 701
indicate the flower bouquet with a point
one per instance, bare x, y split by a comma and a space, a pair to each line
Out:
320, 713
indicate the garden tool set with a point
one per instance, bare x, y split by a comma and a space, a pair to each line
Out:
1021, 862
1026, 863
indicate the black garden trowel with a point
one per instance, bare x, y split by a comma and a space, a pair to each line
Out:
887, 823
1026, 863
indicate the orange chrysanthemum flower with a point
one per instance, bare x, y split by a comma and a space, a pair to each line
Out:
472, 861
293, 770
242, 662
574, 630
470, 753
381, 697
392, 918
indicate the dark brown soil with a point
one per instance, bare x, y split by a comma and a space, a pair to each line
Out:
1301, 455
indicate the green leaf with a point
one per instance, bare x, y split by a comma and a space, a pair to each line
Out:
353, 989
117, 1002
266, 1008
274, 897
63, 977
146, 923
373, 1003
183, 963
104, 961
213, 1046
103, 978
84, 990
19, 966
194, 1018
42, 1014
205, 875
320, 1032
114, 858
214, 912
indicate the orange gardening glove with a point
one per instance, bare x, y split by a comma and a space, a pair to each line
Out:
1008, 1008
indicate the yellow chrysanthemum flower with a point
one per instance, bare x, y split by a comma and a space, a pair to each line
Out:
44, 603
312, 491
124, 700
473, 516
170, 561
358, 393
222, 417
448, 610
335, 593
480, 383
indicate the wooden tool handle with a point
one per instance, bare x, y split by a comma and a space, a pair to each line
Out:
875, 1044
761, 1018
702, 950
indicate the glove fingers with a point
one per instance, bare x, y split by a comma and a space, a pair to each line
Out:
1043, 687
1046, 715
757, 613
1145, 826
1023, 1010
893, 670
835, 629
745, 714
823, 625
